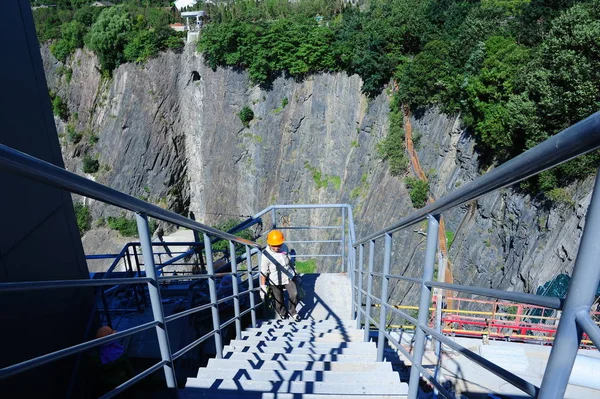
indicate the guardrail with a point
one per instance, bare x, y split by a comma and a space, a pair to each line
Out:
41, 171
46, 173
572, 142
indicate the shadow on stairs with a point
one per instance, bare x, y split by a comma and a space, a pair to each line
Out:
308, 359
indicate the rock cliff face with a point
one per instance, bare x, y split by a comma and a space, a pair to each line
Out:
168, 131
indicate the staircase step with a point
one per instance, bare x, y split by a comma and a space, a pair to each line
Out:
375, 367
191, 393
328, 337
299, 344
300, 387
295, 375
294, 329
275, 333
365, 357
305, 324
314, 323
371, 349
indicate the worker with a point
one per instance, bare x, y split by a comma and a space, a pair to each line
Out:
113, 367
277, 269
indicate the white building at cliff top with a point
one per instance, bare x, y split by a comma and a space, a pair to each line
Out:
179, 4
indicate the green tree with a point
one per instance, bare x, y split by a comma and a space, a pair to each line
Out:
108, 36
488, 93
72, 34
427, 78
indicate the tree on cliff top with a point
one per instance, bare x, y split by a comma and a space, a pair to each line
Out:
108, 36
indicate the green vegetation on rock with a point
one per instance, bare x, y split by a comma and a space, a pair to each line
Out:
392, 148
246, 115
90, 165
128, 227
323, 181
83, 216
517, 71
418, 191
226, 226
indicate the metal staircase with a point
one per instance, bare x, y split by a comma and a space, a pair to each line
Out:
314, 359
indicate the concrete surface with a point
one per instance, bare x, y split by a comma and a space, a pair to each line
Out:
527, 361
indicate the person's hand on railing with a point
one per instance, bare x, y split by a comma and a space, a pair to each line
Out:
263, 292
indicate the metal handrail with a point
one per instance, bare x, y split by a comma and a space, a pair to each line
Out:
572, 142
47, 173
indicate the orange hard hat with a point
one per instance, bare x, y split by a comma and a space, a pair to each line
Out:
275, 238
104, 331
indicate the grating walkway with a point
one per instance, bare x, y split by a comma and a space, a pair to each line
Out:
308, 359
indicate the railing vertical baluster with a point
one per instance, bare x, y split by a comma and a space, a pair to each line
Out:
236, 291
212, 290
343, 241
155, 301
251, 286
358, 286
385, 281
582, 289
274, 218
419, 347
369, 290
105, 305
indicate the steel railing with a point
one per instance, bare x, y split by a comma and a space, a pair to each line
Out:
46, 173
572, 142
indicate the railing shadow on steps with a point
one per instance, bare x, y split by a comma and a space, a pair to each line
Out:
575, 320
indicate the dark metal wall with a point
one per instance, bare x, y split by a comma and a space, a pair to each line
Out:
39, 239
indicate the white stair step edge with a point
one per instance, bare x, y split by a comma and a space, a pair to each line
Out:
306, 330
343, 323
297, 375
302, 334
299, 343
294, 357
291, 324
193, 393
309, 338
223, 364
300, 387
301, 350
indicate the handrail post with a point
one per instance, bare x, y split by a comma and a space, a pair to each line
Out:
369, 290
358, 285
425, 298
251, 286
155, 301
274, 218
212, 290
236, 291
582, 288
385, 281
